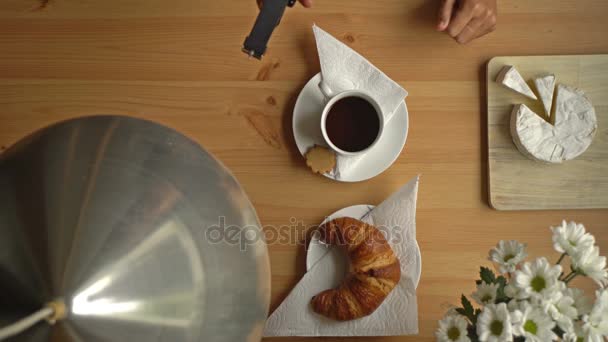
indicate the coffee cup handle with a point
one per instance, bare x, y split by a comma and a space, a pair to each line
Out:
326, 91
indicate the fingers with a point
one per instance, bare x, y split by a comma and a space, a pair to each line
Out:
461, 19
470, 31
306, 3
489, 27
445, 13
473, 19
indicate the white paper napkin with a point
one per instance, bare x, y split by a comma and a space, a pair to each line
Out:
343, 69
398, 314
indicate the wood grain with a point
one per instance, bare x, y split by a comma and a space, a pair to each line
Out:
518, 183
179, 63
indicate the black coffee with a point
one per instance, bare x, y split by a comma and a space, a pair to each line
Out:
352, 124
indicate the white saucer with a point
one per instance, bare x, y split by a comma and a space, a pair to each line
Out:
307, 133
317, 249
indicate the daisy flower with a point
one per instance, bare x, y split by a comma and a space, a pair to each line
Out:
508, 254
564, 312
452, 328
485, 294
582, 303
588, 262
494, 324
538, 280
571, 237
595, 324
512, 291
515, 304
576, 334
532, 324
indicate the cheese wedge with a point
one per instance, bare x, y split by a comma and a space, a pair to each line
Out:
511, 78
574, 129
545, 87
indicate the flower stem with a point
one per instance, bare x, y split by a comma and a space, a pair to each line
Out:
569, 275
573, 276
561, 257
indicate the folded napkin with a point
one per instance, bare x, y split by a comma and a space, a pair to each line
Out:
398, 314
344, 69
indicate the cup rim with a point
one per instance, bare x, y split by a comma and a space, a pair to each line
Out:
336, 98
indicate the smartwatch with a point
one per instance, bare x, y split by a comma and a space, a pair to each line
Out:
268, 18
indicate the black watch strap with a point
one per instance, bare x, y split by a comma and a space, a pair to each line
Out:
269, 17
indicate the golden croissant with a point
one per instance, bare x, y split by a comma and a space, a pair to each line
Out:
373, 273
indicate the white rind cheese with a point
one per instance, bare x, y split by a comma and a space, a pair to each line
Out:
571, 104
573, 132
545, 87
511, 78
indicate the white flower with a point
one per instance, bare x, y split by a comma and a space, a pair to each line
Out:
589, 263
485, 294
533, 324
538, 280
563, 312
452, 328
571, 238
515, 305
582, 303
494, 324
595, 324
576, 334
512, 291
508, 254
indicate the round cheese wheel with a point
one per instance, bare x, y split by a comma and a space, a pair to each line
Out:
571, 134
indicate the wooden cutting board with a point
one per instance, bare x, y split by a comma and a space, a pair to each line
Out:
518, 183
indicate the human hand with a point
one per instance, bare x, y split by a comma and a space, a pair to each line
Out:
465, 20
305, 3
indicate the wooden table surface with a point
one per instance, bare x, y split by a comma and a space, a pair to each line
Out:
179, 63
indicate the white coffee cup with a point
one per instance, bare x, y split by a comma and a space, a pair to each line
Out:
331, 98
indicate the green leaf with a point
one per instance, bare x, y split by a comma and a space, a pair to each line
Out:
487, 275
478, 282
500, 293
466, 304
468, 308
461, 311
477, 313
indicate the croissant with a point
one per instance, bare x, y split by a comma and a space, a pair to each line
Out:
374, 270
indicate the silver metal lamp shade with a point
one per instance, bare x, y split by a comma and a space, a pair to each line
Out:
137, 228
